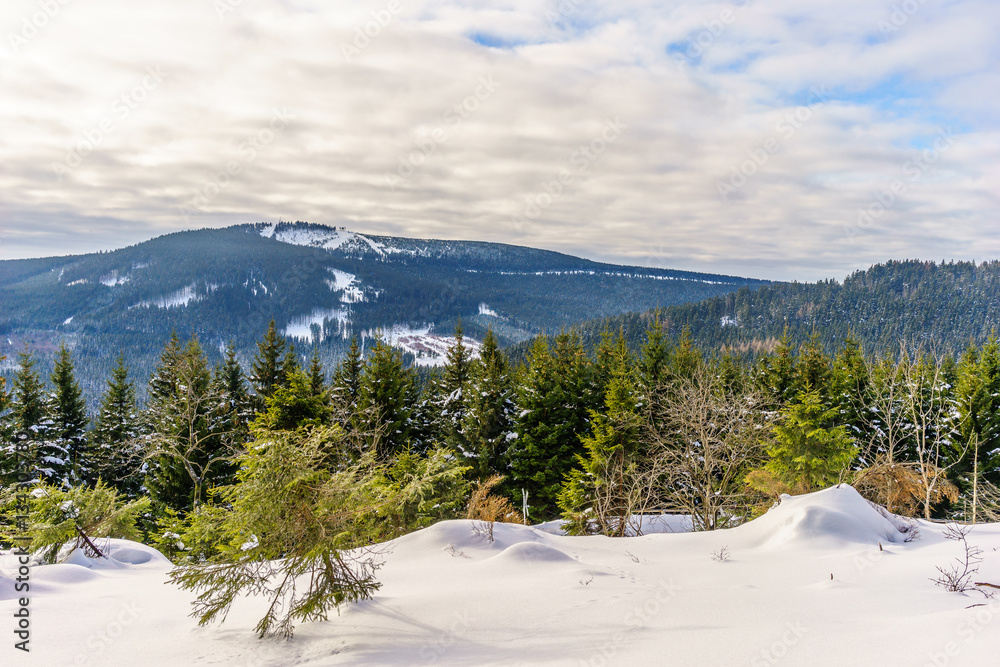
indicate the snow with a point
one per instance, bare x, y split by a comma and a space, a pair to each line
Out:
486, 310
535, 598
181, 297
68, 320
430, 349
113, 279
326, 238
300, 327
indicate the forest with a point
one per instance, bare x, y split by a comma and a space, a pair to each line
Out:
222, 466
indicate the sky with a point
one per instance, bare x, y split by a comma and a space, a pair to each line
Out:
775, 139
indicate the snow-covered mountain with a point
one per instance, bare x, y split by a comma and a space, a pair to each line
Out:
322, 285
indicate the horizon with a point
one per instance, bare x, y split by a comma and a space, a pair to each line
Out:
776, 141
839, 279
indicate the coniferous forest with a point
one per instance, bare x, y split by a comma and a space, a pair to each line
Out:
369, 449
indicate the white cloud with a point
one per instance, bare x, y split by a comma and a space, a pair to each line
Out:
147, 153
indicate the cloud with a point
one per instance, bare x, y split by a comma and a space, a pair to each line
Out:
754, 137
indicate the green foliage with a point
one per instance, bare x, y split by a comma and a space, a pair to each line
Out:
386, 398
809, 451
59, 515
595, 496
555, 396
115, 452
69, 412
290, 504
489, 419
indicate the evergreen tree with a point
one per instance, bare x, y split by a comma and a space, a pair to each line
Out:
269, 365
777, 373
69, 412
346, 385
812, 368
809, 451
190, 447
490, 413
317, 376
32, 413
385, 399
654, 361
554, 398
293, 405
596, 496
849, 388
115, 451
976, 418
452, 396
235, 410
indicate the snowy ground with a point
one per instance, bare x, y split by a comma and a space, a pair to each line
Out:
532, 597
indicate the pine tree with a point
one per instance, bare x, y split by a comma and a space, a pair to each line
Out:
69, 412
490, 413
812, 368
777, 374
235, 410
269, 365
850, 386
294, 404
654, 361
115, 452
385, 399
554, 396
596, 496
809, 451
317, 376
31, 413
346, 385
976, 417
452, 396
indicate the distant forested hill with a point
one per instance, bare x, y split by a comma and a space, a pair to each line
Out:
321, 284
943, 306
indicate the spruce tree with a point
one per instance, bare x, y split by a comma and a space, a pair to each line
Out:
317, 376
595, 496
385, 399
452, 399
269, 365
31, 412
489, 416
115, 452
235, 409
809, 451
554, 396
69, 412
346, 384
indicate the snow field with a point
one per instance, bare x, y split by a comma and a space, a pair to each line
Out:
532, 597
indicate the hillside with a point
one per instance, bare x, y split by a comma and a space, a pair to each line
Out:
322, 285
942, 306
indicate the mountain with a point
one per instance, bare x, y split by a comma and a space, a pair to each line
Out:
943, 307
322, 285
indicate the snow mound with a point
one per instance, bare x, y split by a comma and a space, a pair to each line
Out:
119, 554
838, 515
532, 552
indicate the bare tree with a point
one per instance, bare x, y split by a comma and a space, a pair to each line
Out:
705, 438
926, 407
191, 431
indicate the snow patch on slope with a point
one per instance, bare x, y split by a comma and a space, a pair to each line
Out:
178, 299
331, 322
430, 349
325, 238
